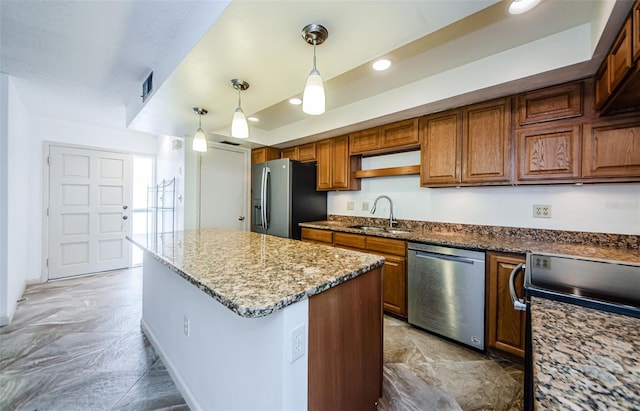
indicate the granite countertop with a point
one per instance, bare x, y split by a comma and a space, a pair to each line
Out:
484, 242
584, 358
254, 274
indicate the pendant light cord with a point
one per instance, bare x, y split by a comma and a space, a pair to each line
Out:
314, 55
239, 105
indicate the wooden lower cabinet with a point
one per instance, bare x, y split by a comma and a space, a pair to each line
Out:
505, 324
394, 277
312, 235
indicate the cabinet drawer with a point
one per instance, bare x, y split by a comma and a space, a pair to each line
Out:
387, 246
552, 103
317, 236
349, 240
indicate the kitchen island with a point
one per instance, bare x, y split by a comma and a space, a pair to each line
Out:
250, 321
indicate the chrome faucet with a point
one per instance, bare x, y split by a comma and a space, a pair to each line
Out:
392, 222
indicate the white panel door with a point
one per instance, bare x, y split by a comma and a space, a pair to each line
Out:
224, 184
89, 199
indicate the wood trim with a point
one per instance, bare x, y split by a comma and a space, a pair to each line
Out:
385, 172
635, 41
345, 345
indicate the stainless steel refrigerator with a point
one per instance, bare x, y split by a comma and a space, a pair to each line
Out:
283, 194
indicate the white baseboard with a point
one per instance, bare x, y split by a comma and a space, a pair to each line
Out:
173, 372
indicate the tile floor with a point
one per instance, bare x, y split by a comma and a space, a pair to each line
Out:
76, 345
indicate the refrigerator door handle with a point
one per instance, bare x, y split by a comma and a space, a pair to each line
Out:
262, 199
265, 191
518, 303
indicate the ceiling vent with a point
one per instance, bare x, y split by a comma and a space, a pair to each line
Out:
231, 143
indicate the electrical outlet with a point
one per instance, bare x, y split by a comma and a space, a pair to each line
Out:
539, 261
350, 205
298, 342
187, 327
365, 206
542, 210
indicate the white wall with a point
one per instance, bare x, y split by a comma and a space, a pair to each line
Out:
169, 165
610, 208
4, 146
227, 362
14, 199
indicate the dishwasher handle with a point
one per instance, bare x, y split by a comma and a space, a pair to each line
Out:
455, 258
518, 303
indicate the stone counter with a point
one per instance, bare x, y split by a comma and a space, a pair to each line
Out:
584, 358
509, 240
254, 274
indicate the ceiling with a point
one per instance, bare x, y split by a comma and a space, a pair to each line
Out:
86, 60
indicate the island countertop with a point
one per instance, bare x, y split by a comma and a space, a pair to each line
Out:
584, 358
254, 274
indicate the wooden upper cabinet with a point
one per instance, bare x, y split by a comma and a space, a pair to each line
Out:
335, 166
307, 152
611, 150
441, 148
549, 153
551, 103
486, 142
619, 59
323, 154
401, 135
635, 18
364, 141
262, 154
291, 152
602, 85
303, 153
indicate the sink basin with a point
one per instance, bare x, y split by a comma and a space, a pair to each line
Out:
394, 231
383, 229
368, 228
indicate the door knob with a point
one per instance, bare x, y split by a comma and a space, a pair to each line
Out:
241, 218
124, 217
125, 207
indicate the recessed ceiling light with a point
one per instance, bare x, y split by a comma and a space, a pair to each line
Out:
522, 6
295, 101
381, 64
253, 119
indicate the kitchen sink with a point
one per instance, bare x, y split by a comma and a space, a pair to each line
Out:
368, 228
394, 231
381, 229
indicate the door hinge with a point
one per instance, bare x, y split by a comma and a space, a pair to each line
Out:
48, 161
47, 211
47, 262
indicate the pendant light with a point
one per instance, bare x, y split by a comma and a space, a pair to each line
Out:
313, 95
239, 125
200, 138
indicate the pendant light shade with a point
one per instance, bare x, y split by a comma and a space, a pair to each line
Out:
200, 138
313, 97
239, 124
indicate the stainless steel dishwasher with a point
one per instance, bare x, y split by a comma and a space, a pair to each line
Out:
446, 292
